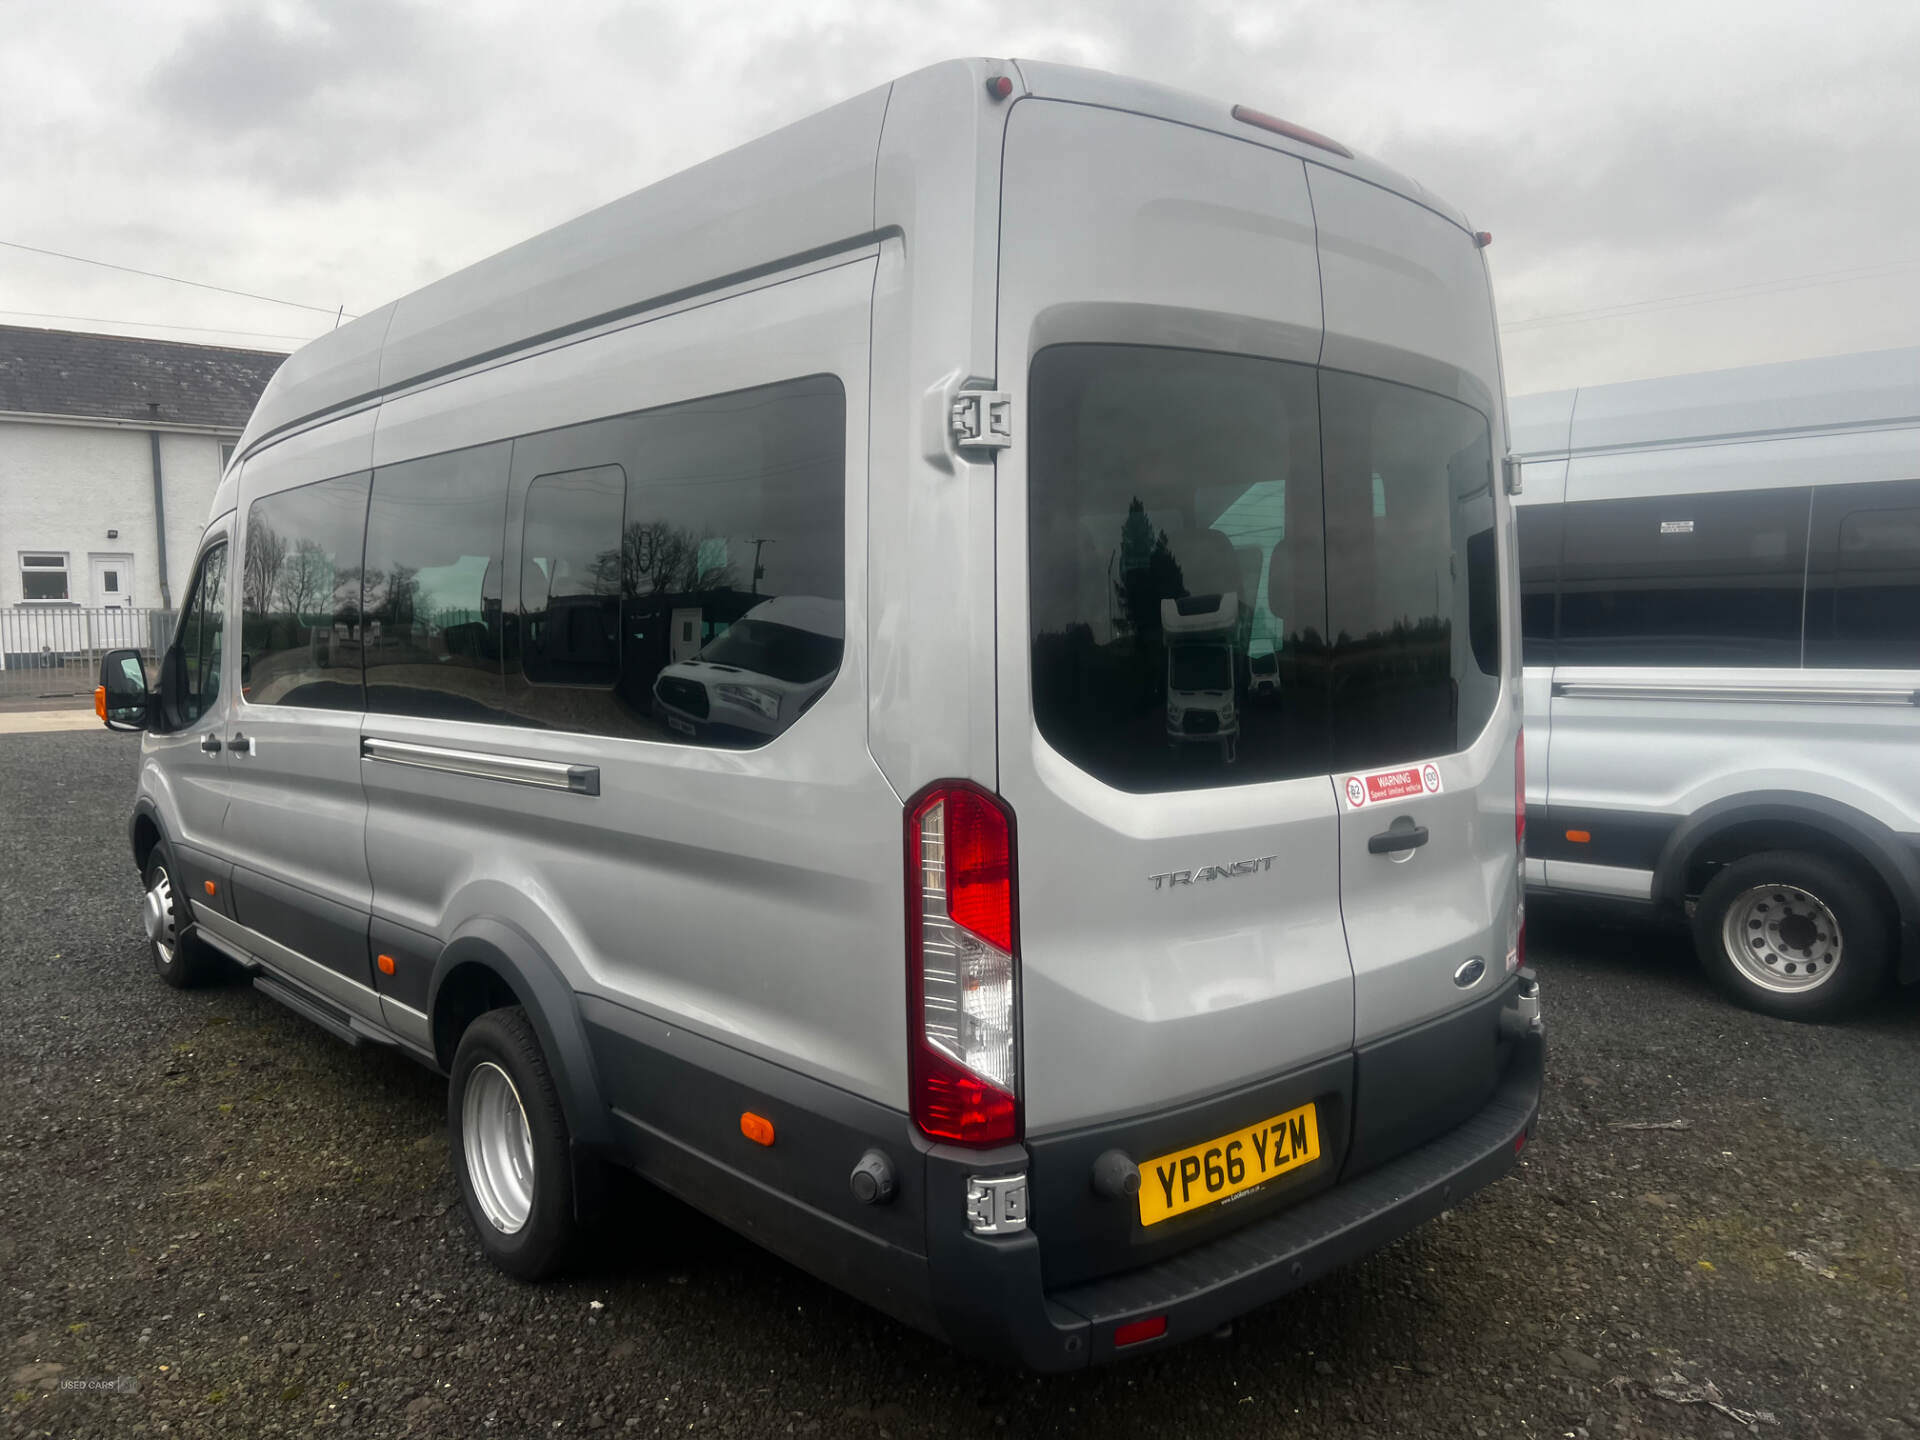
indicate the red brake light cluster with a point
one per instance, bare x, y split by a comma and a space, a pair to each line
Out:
961, 972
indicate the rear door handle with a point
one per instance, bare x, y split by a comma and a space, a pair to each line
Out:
241, 745
1389, 842
210, 744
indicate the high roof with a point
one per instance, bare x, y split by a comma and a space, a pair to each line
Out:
802, 191
116, 377
1874, 387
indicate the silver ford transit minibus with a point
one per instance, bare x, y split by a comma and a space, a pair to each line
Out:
701, 680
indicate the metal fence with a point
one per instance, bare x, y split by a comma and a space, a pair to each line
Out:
53, 651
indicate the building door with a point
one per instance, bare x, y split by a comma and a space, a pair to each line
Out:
112, 577
112, 581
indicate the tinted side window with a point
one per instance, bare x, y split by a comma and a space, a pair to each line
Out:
682, 572
300, 596
1539, 532
1413, 584
1684, 579
200, 648
570, 577
431, 592
1863, 595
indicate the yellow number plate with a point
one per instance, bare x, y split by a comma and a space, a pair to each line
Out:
1188, 1179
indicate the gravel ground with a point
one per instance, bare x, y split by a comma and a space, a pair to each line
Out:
256, 1224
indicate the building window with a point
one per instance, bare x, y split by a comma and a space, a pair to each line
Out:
43, 576
226, 455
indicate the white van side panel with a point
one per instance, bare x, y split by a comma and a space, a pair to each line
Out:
751, 896
806, 187
931, 709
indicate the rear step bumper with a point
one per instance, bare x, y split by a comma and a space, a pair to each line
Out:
987, 1303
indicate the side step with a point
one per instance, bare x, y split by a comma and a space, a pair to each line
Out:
335, 1022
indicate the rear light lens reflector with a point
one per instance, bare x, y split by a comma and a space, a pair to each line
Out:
1134, 1331
961, 975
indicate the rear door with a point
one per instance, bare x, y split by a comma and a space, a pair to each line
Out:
1178, 867
1423, 724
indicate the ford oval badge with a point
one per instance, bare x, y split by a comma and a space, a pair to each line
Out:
1469, 974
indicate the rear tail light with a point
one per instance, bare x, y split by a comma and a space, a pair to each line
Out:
961, 978
1517, 951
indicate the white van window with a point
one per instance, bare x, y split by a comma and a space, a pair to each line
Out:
300, 596
432, 585
1863, 576
1191, 511
683, 577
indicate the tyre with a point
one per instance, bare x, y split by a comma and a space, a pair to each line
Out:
1793, 935
179, 957
510, 1146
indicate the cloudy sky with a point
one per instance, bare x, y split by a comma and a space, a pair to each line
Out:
1673, 186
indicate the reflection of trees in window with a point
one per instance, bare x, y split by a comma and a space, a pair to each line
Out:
266, 554
391, 595
1148, 573
307, 584
658, 558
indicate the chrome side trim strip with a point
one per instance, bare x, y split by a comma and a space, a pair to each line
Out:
1752, 694
514, 769
1616, 880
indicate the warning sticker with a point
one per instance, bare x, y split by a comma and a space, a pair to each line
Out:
1384, 785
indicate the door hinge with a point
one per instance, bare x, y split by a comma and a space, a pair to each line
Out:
1510, 473
982, 419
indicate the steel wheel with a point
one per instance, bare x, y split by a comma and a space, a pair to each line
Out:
156, 913
1782, 938
499, 1148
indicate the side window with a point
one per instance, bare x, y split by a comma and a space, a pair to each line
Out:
1684, 579
1863, 596
682, 572
570, 577
431, 594
1539, 532
200, 647
300, 631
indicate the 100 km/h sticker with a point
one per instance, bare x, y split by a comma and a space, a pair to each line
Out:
1383, 785
1217, 1169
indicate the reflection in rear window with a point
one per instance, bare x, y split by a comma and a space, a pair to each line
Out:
1198, 519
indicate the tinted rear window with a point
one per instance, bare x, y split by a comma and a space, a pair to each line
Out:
1181, 539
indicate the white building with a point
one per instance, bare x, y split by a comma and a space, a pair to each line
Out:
110, 449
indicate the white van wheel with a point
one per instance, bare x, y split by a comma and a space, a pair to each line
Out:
177, 954
1795, 935
511, 1148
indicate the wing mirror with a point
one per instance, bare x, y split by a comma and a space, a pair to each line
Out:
122, 700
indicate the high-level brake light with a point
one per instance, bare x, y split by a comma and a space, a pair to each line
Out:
961, 979
1247, 115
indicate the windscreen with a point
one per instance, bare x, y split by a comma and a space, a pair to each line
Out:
1189, 510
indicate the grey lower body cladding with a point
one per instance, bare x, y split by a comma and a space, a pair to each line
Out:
1052, 1297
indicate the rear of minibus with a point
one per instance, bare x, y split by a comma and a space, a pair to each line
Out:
1234, 1013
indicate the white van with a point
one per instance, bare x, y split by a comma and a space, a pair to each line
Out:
940, 972
1721, 609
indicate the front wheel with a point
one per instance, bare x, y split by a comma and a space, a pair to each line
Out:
178, 956
1793, 935
510, 1145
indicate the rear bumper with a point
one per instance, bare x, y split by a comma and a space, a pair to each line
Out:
986, 1302
675, 1100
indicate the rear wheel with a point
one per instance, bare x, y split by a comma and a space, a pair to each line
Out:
511, 1146
1793, 935
179, 958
